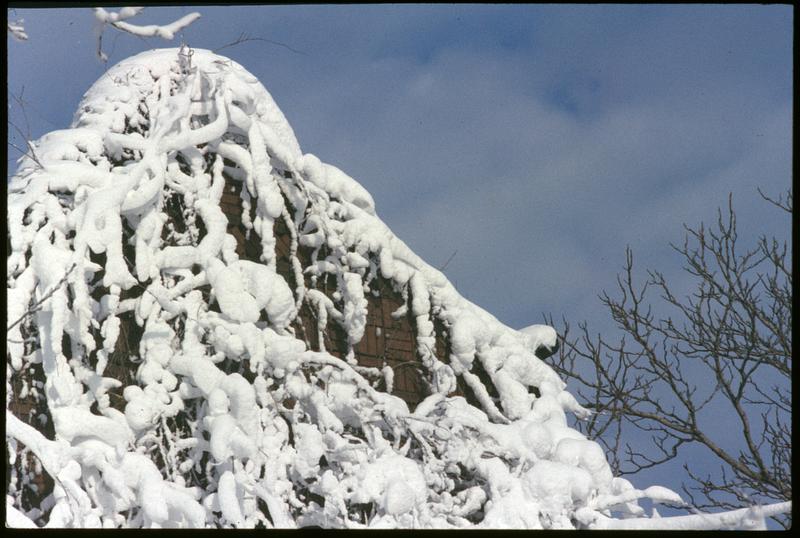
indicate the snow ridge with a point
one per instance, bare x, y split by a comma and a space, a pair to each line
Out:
230, 419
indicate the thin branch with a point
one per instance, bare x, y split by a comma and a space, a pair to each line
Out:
453, 255
31, 151
244, 38
736, 324
38, 304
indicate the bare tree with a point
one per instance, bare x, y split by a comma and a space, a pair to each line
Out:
722, 353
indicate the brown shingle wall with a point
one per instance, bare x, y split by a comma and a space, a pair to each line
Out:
386, 342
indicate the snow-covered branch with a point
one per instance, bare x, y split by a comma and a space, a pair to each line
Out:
117, 20
17, 30
752, 518
166, 31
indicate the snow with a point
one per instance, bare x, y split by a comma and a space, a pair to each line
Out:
751, 518
229, 501
16, 519
167, 31
17, 30
394, 483
540, 335
228, 405
116, 19
354, 316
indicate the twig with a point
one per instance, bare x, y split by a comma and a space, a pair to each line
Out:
38, 304
453, 255
786, 205
244, 38
26, 137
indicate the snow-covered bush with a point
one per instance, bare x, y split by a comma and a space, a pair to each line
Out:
169, 385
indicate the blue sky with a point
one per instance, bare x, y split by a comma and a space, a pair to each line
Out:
535, 142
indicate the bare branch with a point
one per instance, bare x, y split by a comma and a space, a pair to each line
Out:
244, 38
445, 264
785, 204
728, 343
30, 150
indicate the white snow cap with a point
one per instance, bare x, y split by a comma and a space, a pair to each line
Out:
540, 335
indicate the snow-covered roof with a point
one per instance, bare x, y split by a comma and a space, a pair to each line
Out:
89, 211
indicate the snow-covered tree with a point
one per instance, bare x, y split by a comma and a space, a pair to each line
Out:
218, 412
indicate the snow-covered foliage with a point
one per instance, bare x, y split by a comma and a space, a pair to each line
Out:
228, 419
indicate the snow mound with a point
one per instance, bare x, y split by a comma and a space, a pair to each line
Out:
175, 390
